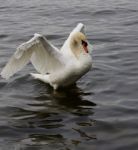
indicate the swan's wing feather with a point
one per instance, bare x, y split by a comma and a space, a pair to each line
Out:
79, 28
15, 63
44, 56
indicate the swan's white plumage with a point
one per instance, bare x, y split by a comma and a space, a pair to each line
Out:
56, 67
43, 55
65, 47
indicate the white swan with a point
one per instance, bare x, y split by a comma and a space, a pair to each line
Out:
59, 68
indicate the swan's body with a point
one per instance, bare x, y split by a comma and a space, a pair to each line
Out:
59, 68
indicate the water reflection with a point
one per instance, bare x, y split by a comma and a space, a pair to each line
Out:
63, 117
71, 97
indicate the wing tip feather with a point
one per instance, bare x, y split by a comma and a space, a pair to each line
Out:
80, 24
4, 75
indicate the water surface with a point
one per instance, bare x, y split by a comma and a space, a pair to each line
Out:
101, 111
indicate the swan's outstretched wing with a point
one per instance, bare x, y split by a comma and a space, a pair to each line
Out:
79, 28
43, 55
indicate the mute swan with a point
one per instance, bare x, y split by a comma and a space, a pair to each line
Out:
59, 68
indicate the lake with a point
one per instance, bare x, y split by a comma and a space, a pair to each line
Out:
101, 111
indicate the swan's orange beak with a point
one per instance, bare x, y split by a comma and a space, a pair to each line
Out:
85, 46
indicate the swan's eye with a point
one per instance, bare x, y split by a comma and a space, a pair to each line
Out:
85, 44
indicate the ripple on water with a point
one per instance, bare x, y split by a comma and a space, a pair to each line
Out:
100, 112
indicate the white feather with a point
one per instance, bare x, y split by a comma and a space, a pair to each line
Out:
65, 48
56, 67
43, 55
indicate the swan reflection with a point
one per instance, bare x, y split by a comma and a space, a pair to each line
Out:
71, 97
65, 118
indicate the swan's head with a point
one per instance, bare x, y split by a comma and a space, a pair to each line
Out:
78, 44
